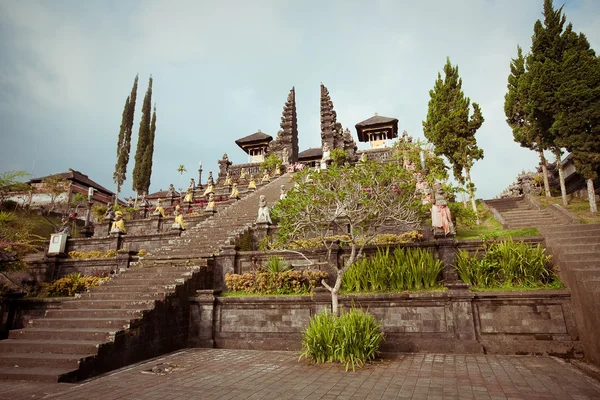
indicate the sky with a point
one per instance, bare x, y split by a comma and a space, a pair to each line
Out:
223, 69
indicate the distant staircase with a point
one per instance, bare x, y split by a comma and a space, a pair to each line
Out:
516, 213
140, 313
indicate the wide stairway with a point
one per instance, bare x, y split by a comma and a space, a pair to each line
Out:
575, 250
140, 313
516, 213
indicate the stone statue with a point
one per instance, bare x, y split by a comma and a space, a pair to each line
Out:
159, 210
189, 195
192, 184
210, 180
252, 184
144, 202
422, 187
209, 189
171, 192
118, 226
235, 193
211, 202
282, 192
285, 156
264, 214
130, 202
228, 180
110, 212
243, 174
266, 178
440, 213
178, 224
65, 228
363, 157
326, 156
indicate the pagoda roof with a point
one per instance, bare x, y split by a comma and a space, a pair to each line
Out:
254, 139
313, 152
161, 194
75, 176
387, 124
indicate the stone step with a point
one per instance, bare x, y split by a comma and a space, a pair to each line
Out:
574, 239
79, 323
148, 281
573, 228
134, 296
578, 256
98, 304
114, 288
569, 231
582, 248
36, 374
525, 213
93, 334
46, 360
49, 346
123, 313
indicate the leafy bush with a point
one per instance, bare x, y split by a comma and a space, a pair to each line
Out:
271, 162
506, 263
6, 217
338, 156
284, 282
70, 285
404, 269
275, 264
353, 338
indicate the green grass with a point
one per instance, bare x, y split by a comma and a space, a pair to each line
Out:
489, 227
438, 289
246, 294
577, 205
557, 284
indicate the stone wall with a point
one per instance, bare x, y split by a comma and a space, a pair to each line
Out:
456, 321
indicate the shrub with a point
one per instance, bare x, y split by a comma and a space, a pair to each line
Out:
353, 338
284, 282
92, 254
404, 269
506, 263
70, 285
338, 156
275, 264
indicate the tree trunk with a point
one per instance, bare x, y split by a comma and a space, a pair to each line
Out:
117, 194
545, 173
592, 196
464, 200
334, 293
472, 194
561, 177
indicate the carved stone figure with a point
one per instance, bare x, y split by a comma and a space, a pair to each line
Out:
243, 175
209, 189
252, 183
130, 202
178, 224
264, 214
110, 212
235, 193
326, 156
65, 228
118, 226
210, 180
171, 192
441, 220
211, 202
228, 180
266, 178
189, 195
285, 156
363, 157
159, 210
282, 192
192, 184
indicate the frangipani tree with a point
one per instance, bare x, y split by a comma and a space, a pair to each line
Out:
359, 201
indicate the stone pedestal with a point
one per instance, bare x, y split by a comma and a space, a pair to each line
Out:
261, 231
123, 260
86, 231
117, 240
446, 251
321, 301
201, 319
224, 263
156, 222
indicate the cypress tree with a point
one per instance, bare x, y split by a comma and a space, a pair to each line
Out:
577, 124
139, 172
451, 128
515, 101
124, 139
148, 154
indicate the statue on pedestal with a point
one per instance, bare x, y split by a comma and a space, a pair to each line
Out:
192, 184
159, 210
171, 192
118, 226
189, 195
264, 214
235, 193
326, 156
209, 189
228, 180
243, 174
211, 202
266, 178
440, 213
110, 212
252, 184
178, 224
210, 180
282, 192
65, 228
285, 157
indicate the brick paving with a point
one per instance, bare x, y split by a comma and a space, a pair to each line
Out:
246, 374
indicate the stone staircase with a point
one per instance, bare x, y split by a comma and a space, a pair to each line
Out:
575, 249
516, 213
140, 313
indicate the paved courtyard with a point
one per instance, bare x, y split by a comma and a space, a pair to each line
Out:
244, 374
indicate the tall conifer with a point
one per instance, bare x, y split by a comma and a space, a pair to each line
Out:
148, 154
451, 128
124, 140
139, 172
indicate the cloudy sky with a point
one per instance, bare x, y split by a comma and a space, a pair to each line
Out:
223, 69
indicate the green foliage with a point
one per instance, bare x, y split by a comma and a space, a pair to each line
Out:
464, 216
124, 138
9, 182
271, 163
142, 252
506, 263
54, 186
70, 285
338, 156
353, 338
283, 282
275, 264
145, 145
410, 152
404, 269
20, 235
